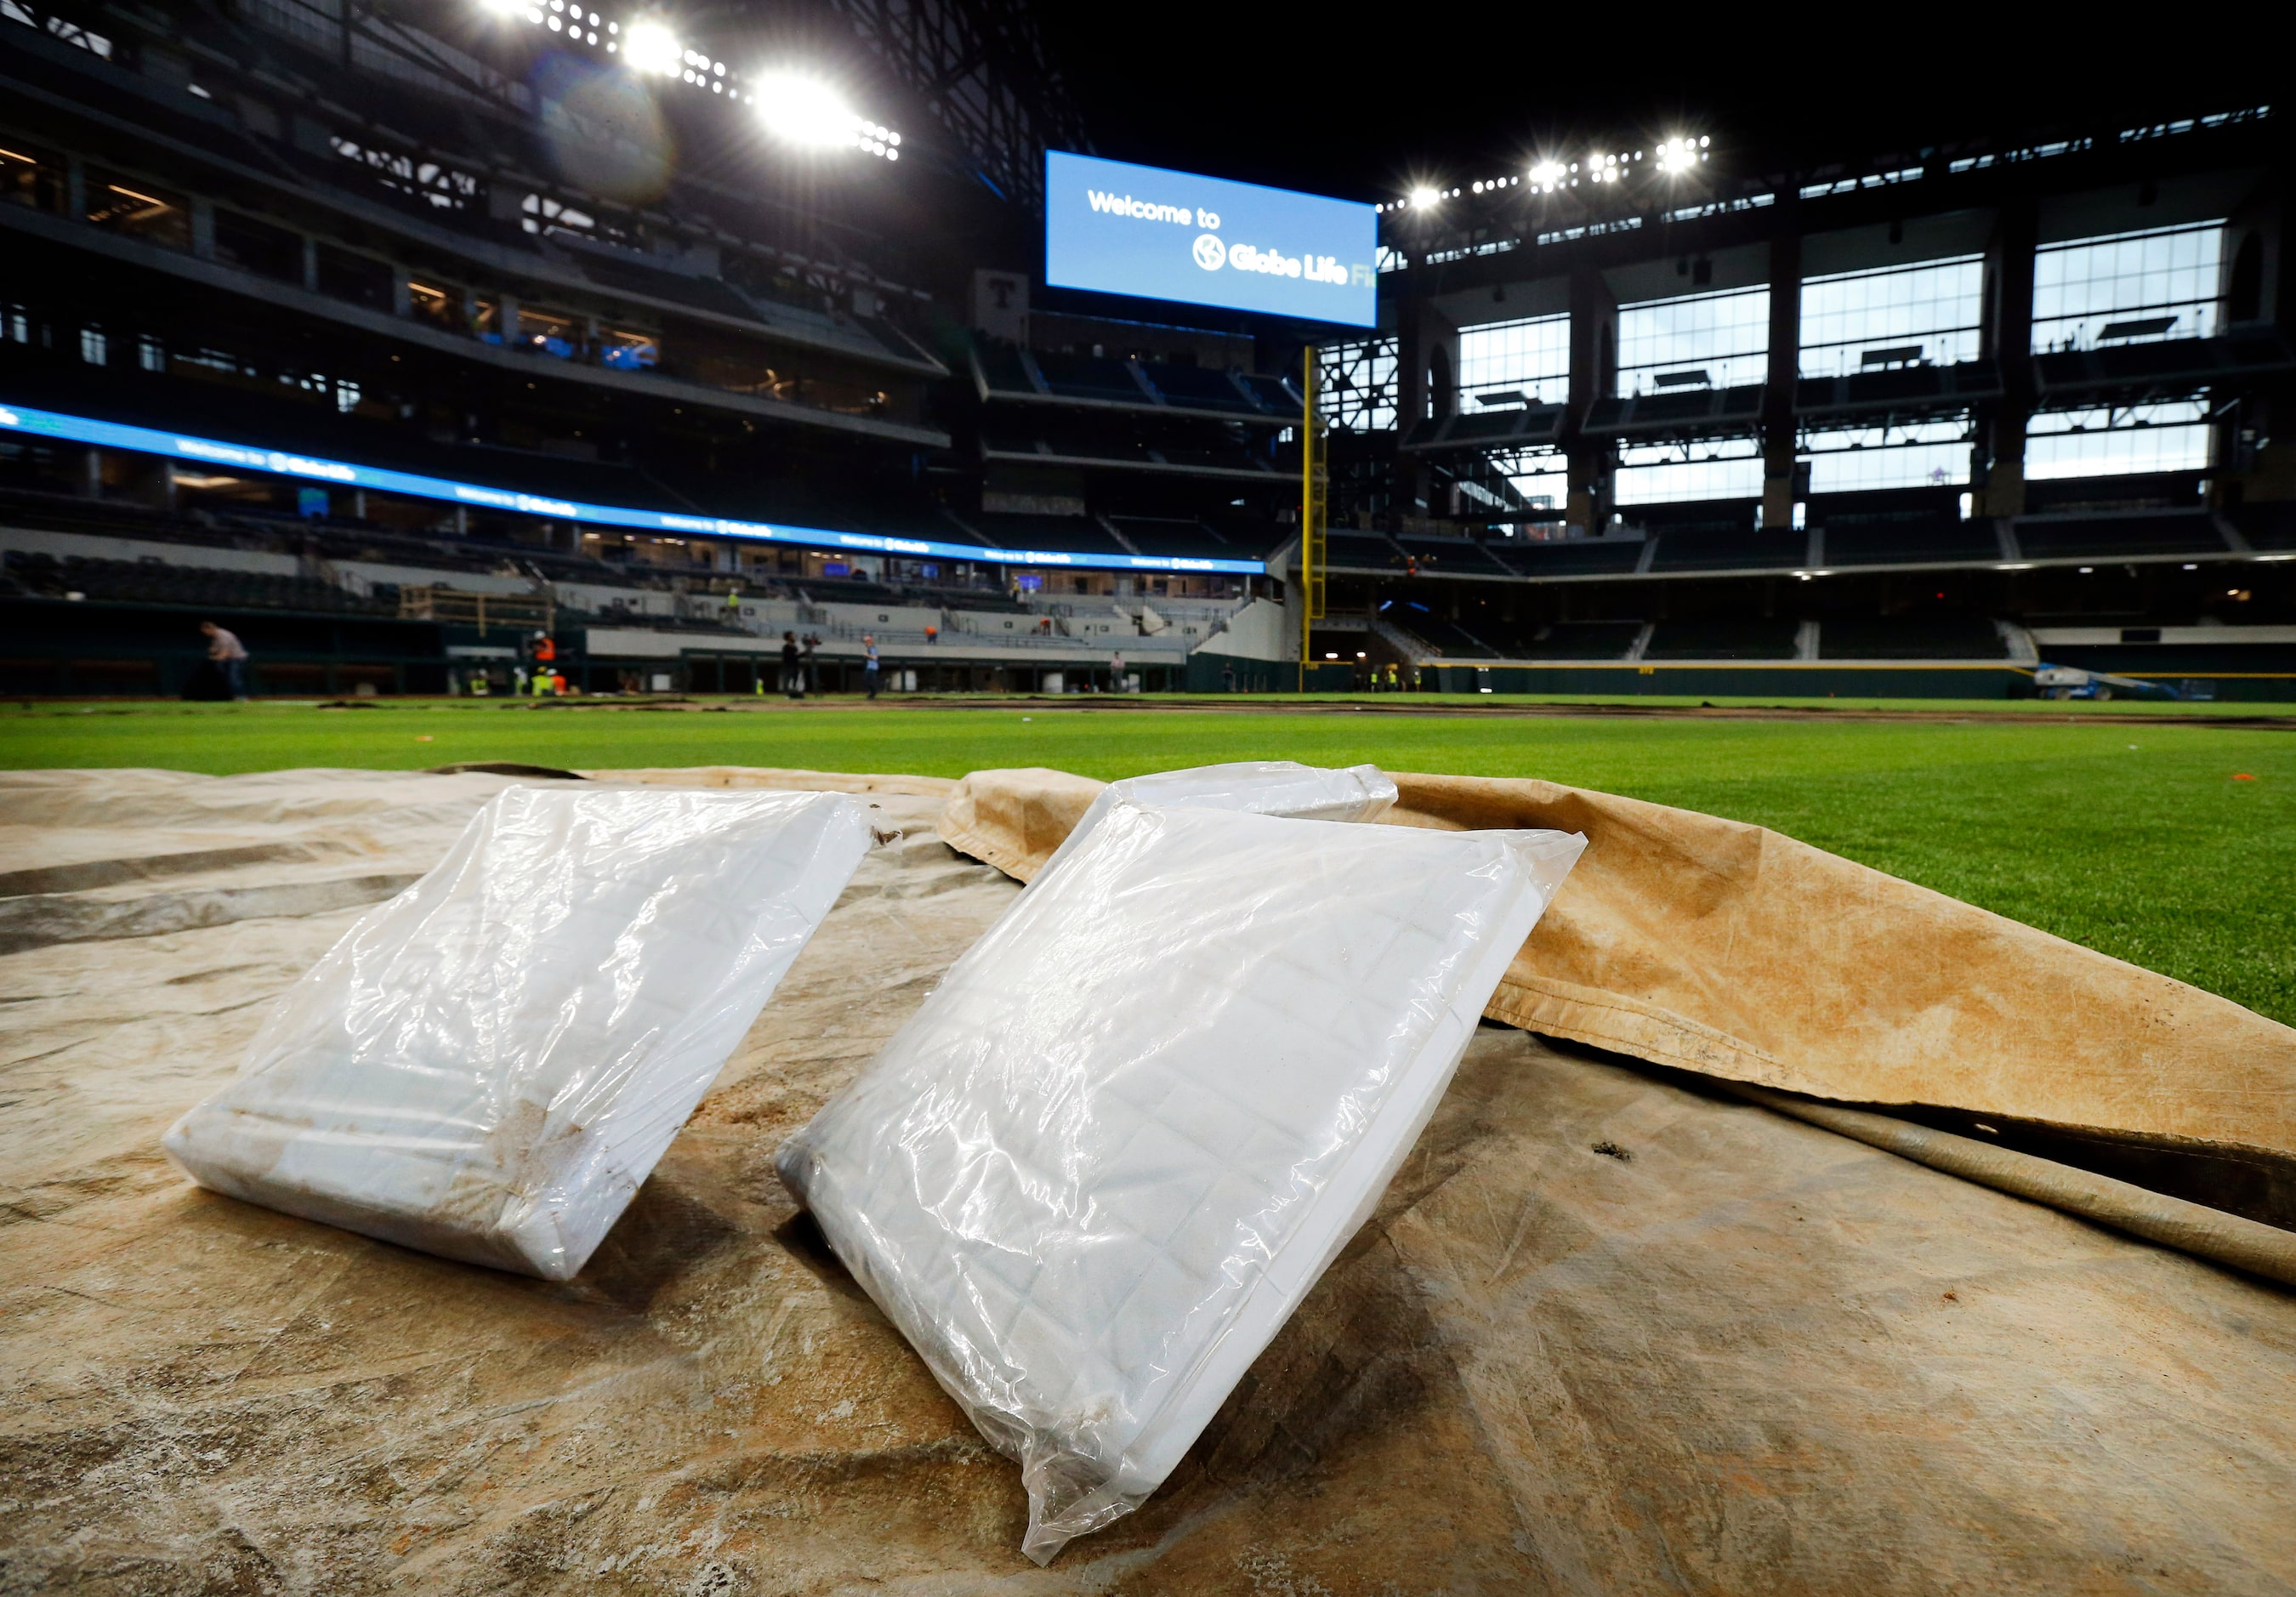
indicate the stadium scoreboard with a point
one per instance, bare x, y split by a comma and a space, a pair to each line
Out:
1118, 228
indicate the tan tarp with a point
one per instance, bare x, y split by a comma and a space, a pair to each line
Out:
1607, 1332
1727, 949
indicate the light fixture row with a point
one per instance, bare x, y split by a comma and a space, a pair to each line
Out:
795, 107
1674, 157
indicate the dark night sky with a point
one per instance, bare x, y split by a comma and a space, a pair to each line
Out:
1355, 105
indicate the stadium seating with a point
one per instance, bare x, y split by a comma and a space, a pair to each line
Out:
1073, 534
2147, 365
1274, 394
1722, 640
1515, 425
2164, 532
1939, 637
1091, 377
1183, 539
851, 590
1702, 550
1576, 640
1451, 557
1571, 557
1001, 369
1252, 537
1901, 391
1680, 412
1909, 541
2270, 526
1449, 639
1498, 638
153, 582
1193, 387
1361, 551
991, 600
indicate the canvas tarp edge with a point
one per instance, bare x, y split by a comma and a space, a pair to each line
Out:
1723, 948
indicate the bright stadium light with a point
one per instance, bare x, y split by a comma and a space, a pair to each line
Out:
1546, 174
1424, 199
651, 48
1680, 155
803, 111
806, 111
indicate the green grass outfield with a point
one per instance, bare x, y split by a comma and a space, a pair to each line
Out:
2135, 838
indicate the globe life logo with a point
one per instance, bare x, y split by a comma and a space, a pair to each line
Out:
1211, 254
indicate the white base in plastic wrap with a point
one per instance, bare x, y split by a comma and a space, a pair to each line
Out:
1100, 1167
489, 1066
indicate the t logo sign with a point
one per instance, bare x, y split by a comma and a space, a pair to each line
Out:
1211, 254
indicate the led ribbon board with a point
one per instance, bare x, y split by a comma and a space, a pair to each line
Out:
251, 457
1143, 231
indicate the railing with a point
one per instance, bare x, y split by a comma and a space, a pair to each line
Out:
907, 639
511, 612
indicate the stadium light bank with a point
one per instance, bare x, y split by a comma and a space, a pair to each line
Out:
794, 107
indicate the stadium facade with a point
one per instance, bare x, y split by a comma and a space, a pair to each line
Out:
388, 336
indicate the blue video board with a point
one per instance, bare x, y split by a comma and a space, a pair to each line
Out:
1122, 229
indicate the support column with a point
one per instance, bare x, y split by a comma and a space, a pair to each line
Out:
1593, 374
2251, 461
1783, 369
1426, 384
1998, 471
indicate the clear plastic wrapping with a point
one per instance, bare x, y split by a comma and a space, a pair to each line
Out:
489, 1066
1259, 786
1094, 1175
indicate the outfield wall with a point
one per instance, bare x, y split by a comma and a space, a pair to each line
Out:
1817, 679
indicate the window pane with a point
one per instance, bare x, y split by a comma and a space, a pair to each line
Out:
1541, 476
1531, 357
1723, 337
28, 176
2128, 288
1924, 454
1667, 473
257, 247
2102, 443
138, 209
1899, 316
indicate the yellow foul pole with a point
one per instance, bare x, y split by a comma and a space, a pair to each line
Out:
1314, 484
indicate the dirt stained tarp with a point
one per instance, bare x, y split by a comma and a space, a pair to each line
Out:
1609, 1331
